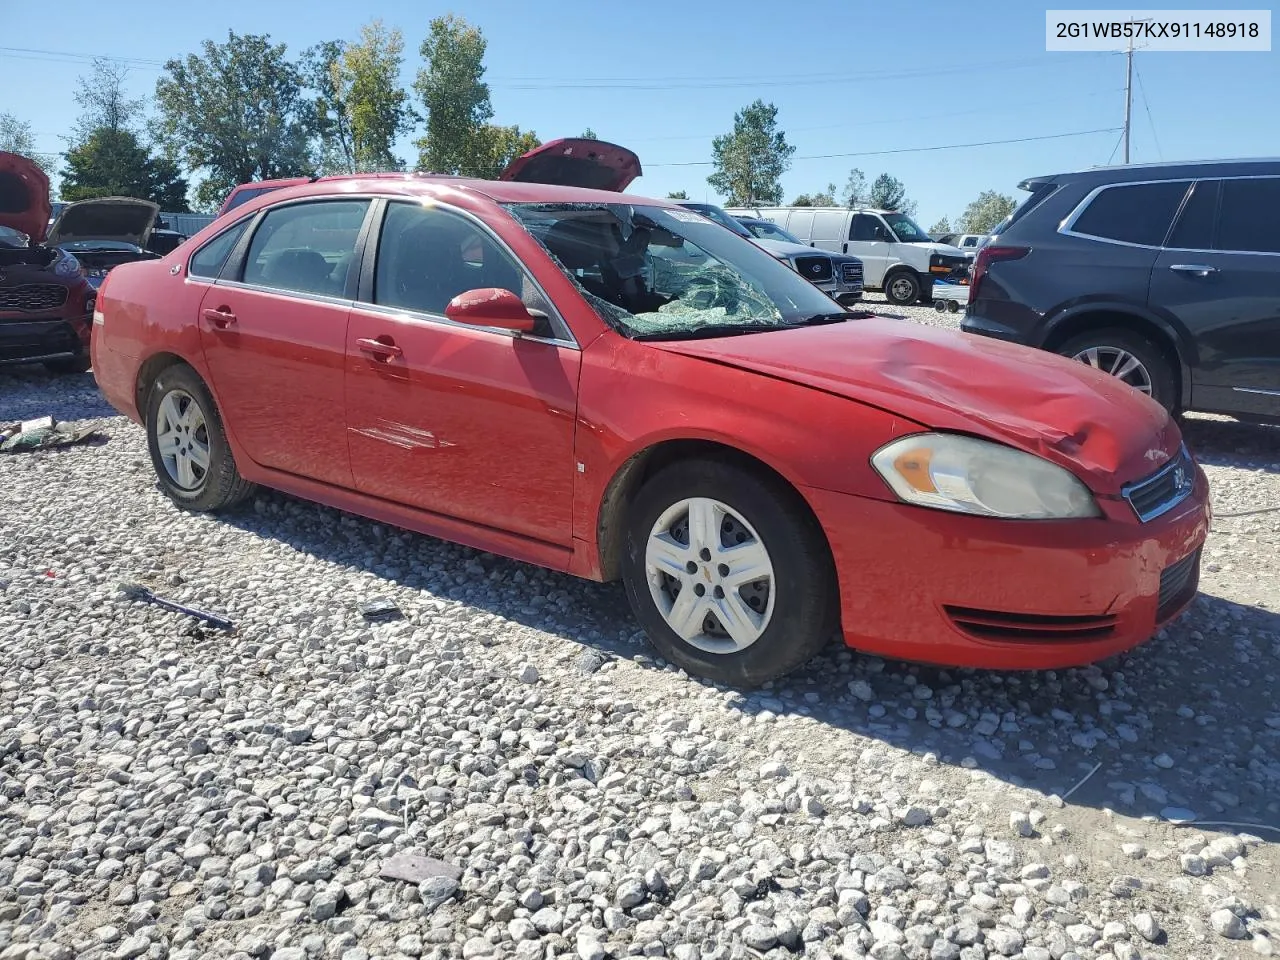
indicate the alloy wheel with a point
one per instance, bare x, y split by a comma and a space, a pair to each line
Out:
182, 439
1118, 362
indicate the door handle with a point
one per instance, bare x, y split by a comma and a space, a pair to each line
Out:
381, 350
1195, 269
219, 318
844, 248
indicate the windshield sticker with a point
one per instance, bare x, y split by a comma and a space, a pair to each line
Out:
686, 216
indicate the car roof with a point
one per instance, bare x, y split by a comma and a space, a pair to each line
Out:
1168, 170
411, 184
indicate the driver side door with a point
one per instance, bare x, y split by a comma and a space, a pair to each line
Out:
869, 240
471, 423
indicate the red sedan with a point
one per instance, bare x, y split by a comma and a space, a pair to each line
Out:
620, 388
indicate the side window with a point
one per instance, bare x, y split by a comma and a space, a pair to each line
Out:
208, 260
1247, 217
864, 227
427, 256
1136, 213
1194, 229
306, 247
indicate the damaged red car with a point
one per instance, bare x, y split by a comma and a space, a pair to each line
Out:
46, 302
619, 388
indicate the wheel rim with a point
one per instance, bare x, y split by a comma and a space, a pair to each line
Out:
182, 439
710, 575
901, 288
1118, 362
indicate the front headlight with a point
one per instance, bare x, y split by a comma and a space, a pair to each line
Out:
67, 266
966, 475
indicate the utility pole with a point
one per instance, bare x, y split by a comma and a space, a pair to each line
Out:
1128, 95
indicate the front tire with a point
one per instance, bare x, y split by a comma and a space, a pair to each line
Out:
728, 572
188, 445
902, 288
1129, 356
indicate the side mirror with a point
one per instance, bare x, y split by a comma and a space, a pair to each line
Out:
491, 307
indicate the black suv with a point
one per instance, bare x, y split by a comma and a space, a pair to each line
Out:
1166, 275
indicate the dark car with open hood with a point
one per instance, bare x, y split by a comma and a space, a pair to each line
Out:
46, 302
105, 232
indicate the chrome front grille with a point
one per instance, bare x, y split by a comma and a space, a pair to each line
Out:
33, 297
851, 273
1159, 493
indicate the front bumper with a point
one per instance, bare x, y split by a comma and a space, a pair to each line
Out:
36, 341
928, 586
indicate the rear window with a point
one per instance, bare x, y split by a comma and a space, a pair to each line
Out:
1247, 217
1038, 195
1138, 213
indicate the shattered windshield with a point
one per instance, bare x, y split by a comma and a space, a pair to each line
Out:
659, 272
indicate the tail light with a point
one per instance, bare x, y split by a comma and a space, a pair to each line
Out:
987, 256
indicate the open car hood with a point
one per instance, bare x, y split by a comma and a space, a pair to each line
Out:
1089, 422
576, 162
24, 196
107, 218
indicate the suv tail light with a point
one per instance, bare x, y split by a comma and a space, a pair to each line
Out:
988, 255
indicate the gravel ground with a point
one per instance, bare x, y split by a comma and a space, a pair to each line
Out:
168, 790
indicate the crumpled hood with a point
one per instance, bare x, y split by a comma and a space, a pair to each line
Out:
1101, 429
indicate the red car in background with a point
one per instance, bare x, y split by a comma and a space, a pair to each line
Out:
620, 388
46, 303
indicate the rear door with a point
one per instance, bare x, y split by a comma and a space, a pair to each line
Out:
828, 230
274, 337
799, 224
1220, 276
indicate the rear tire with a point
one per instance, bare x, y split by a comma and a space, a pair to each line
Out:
1117, 351
188, 445
727, 523
902, 288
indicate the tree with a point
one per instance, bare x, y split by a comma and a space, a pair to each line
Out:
234, 114
887, 193
454, 95
826, 198
804, 200
16, 137
366, 81
751, 160
986, 213
942, 226
855, 189
588, 134
677, 195
103, 102
328, 115
494, 147
113, 163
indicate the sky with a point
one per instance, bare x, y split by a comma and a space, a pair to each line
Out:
857, 84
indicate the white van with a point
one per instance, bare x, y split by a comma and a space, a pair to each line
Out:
897, 256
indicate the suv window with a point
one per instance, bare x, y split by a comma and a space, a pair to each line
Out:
866, 227
208, 260
1246, 220
1132, 213
1194, 230
427, 256
306, 247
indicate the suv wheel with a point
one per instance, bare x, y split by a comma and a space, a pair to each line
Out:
902, 288
1127, 355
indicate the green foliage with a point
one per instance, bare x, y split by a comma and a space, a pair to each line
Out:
327, 113
942, 226
103, 102
113, 163
235, 113
494, 147
804, 200
887, 193
986, 213
677, 195
16, 137
366, 79
454, 96
827, 198
588, 134
855, 189
751, 160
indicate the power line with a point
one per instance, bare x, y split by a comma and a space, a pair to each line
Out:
986, 111
881, 153
1115, 148
1147, 107
64, 56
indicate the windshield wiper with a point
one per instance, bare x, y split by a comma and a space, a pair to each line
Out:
818, 318
710, 330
